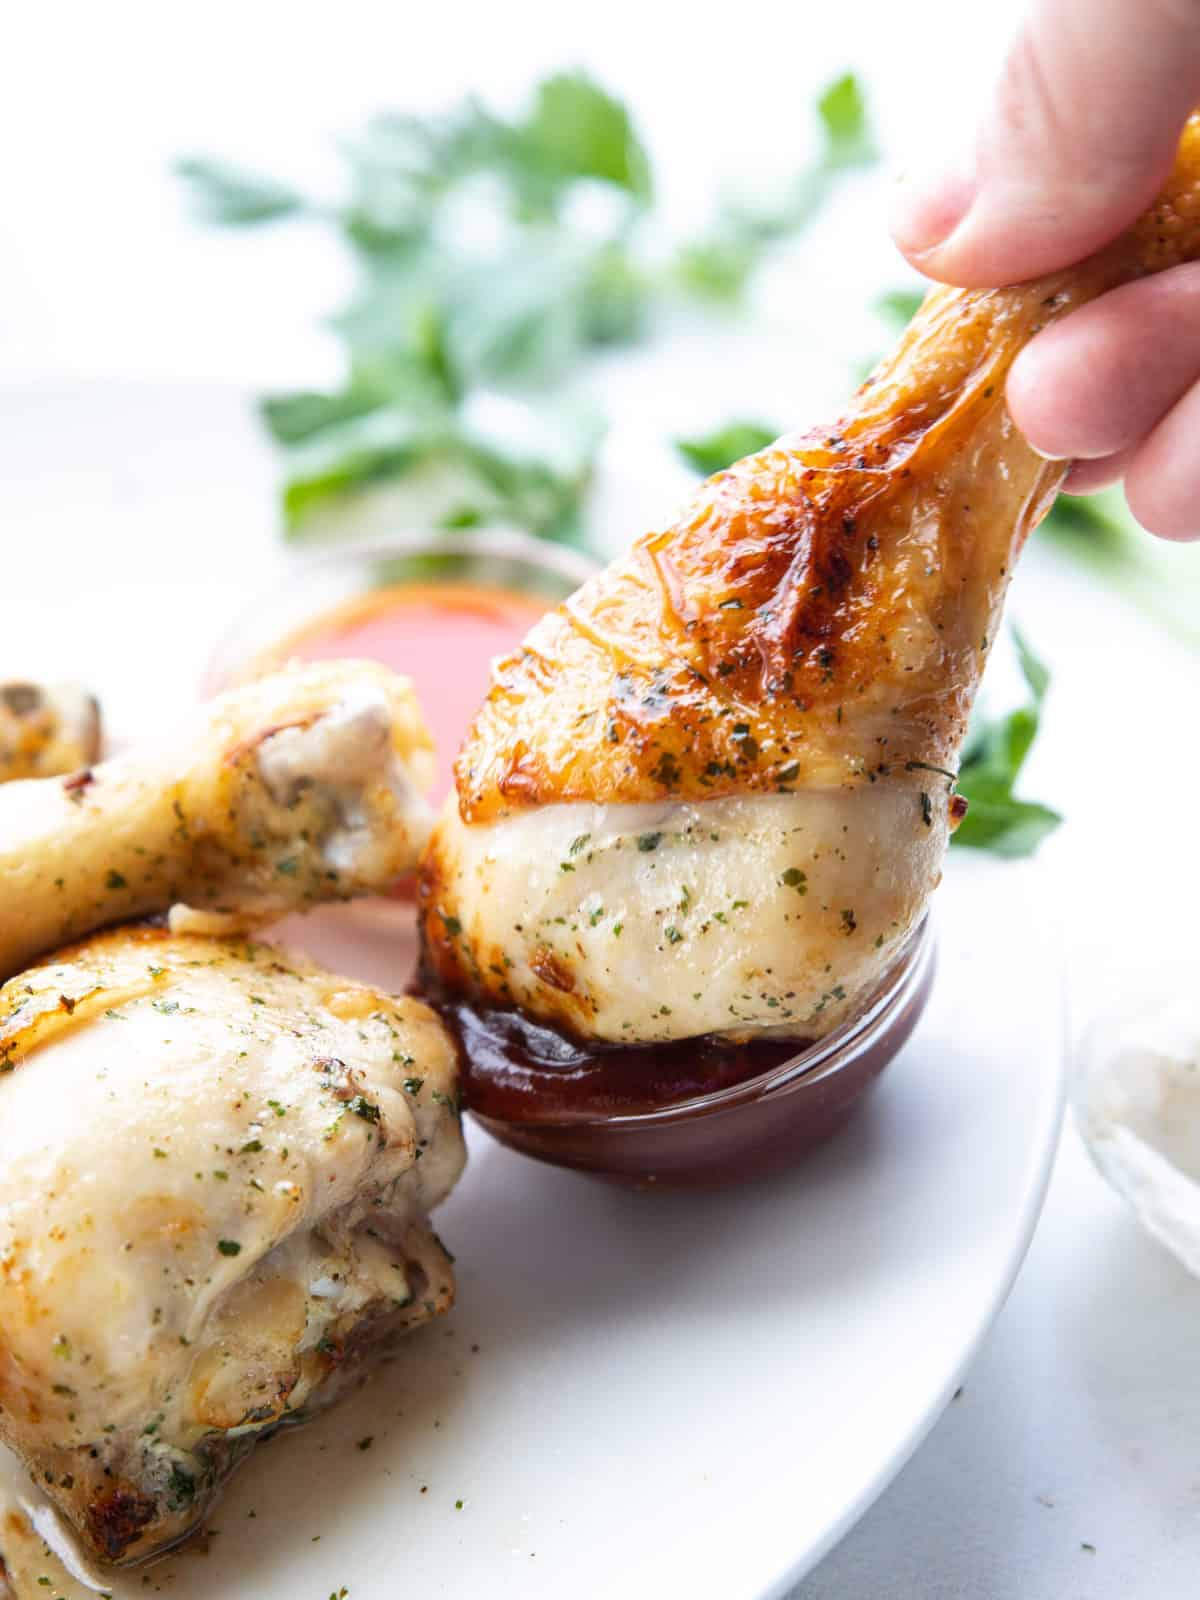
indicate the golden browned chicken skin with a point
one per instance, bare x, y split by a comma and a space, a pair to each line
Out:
812, 626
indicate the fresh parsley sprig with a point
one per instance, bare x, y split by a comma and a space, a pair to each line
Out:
713, 452
991, 762
478, 269
494, 256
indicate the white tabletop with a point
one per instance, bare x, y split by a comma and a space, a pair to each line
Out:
137, 511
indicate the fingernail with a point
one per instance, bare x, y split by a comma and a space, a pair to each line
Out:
926, 210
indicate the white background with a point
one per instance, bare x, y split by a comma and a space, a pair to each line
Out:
126, 337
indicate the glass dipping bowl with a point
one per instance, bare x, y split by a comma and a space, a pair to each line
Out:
751, 1128
316, 588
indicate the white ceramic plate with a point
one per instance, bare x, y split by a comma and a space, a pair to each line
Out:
656, 1394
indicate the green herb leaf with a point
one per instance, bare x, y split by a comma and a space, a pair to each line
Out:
1007, 827
232, 197
842, 109
295, 418
719, 267
992, 758
1035, 671
900, 306
715, 451
578, 130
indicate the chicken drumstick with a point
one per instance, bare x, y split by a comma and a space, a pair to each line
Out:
306, 786
712, 792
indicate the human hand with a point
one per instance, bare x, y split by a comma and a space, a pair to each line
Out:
1080, 136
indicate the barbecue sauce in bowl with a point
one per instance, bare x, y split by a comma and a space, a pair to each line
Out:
690, 1112
518, 1070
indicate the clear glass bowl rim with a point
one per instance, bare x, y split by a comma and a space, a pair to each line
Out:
901, 984
240, 644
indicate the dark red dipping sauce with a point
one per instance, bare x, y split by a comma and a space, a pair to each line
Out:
693, 1113
519, 1070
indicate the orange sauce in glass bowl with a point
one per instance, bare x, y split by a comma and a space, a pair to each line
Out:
442, 636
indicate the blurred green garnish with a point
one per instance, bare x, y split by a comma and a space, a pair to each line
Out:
233, 198
720, 263
493, 256
990, 764
713, 452
477, 271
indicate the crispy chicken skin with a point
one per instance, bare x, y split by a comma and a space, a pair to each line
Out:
773, 690
308, 785
216, 1164
46, 729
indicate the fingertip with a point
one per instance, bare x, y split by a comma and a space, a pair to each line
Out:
1078, 137
1156, 501
1024, 393
925, 210
1097, 383
1162, 477
1085, 477
1045, 408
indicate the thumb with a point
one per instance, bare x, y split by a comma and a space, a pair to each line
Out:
1081, 133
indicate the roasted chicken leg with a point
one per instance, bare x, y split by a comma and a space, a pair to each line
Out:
216, 1164
712, 792
305, 786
